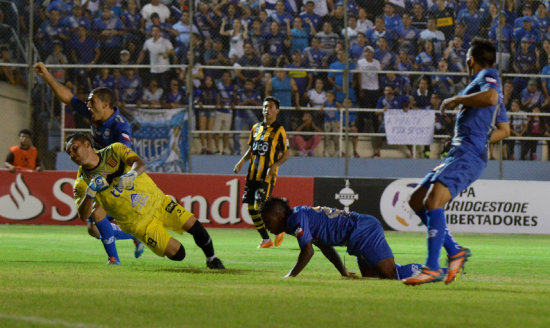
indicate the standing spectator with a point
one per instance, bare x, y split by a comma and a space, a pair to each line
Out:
184, 31
167, 31
237, 37
369, 87
419, 17
316, 98
506, 41
384, 55
227, 96
351, 30
315, 57
545, 81
471, 18
76, 19
444, 17
250, 59
524, 62
23, 156
531, 96
80, 52
154, 7
134, 28
363, 22
282, 87
327, 39
56, 58
303, 79
336, 79
152, 96
275, 42
249, 96
358, 47
280, 15
108, 30
256, 36
391, 19
398, 83
443, 85
455, 55
518, 128
311, 20
206, 21
306, 143
159, 50
423, 94
529, 33
379, 30
105, 79
431, 33
175, 96
426, 60
207, 97
331, 123
299, 35
216, 56
49, 31
536, 127
407, 36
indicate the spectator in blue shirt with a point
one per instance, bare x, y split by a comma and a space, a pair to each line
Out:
471, 18
175, 96
379, 31
310, 18
336, 79
384, 55
527, 31
531, 96
315, 57
134, 25
248, 96
426, 60
507, 41
299, 35
206, 21
391, 19
129, 87
275, 43
524, 62
50, 30
108, 30
77, 19
407, 35
280, 15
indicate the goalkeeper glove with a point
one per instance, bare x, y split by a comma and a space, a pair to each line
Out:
126, 181
97, 184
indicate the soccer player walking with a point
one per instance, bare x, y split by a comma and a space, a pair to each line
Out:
267, 150
481, 119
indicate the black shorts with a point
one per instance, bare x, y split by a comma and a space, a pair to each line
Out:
251, 187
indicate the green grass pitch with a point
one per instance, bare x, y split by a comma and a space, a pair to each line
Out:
54, 276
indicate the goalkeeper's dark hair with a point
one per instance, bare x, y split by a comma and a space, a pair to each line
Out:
276, 204
82, 137
483, 51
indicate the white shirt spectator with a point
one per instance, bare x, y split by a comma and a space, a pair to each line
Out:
369, 81
161, 10
157, 53
316, 99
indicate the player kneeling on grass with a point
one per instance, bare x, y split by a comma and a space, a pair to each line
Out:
326, 227
114, 178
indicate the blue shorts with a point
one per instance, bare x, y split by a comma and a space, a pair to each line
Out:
459, 170
368, 242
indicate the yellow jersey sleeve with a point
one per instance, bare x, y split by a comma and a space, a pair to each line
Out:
79, 188
122, 151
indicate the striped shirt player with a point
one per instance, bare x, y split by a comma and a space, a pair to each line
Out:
267, 149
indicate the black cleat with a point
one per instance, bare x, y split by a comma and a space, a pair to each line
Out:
215, 264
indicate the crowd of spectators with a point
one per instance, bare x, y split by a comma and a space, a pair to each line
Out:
428, 36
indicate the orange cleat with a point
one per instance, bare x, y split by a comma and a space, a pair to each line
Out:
266, 244
425, 276
456, 264
279, 239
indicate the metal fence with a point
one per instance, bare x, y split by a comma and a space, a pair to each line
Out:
361, 53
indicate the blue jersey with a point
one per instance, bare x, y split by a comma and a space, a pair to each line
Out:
115, 129
324, 225
474, 126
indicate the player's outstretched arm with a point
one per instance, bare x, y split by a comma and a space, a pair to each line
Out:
61, 92
243, 159
332, 255
303, 259
502, 131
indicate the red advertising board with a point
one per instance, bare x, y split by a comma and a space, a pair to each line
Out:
46, 197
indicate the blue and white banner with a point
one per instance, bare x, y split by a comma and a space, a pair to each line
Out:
414, 127
160, 139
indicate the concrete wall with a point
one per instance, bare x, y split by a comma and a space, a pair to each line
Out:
13, 116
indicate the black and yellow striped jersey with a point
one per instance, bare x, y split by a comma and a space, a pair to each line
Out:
268, 144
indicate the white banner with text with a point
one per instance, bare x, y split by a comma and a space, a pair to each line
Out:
414, 127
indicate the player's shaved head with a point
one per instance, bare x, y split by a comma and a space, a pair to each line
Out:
77, 136
105, 94
277, 205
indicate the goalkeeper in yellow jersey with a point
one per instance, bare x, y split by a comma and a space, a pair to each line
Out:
114, 178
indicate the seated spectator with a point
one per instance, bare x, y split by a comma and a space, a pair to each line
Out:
182, 33
426, 60
398, 83
299, 35
431, 33
384, 55
227, 96
207, 97
391, 19
351, 30
129, 88
175, 97
531, 96
104, 79
248, 96
256, 36
358, 47
526, 14
331, 123
444, 125
404, 64
536, 127
275, 42
152, 96
12, 74
363, 21
455, 54
527, 32
444, 85
423, 94
419, 17
444, 17
306, 143
155, 7
50, 30
518, 128
237, 37
160, 50
337, 17
23, 156
108, 30
542, 18
133, 23
168, 31
327, 39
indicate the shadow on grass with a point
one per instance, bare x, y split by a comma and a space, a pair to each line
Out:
201, 271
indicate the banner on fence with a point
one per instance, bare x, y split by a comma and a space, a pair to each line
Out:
414, 127
47, 197
160, 139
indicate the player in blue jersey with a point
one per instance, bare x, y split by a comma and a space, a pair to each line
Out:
481, 119
326, 227
108, 126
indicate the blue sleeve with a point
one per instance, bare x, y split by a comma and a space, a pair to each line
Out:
379, 104
123, 133
502, 117
80, 107
489, 80
299, 226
